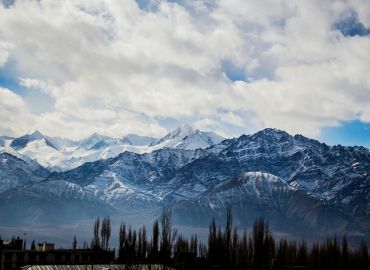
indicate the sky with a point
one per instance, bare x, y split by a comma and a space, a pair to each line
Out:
73, 67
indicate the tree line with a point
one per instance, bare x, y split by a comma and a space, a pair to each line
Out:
227, 248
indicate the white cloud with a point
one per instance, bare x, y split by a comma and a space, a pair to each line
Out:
114, 68
205, 124
232, 118
14, 114
4, 53
46, 87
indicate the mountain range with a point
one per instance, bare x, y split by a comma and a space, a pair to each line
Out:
300, 185
58, 154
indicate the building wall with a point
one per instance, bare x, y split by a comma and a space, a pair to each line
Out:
14, 259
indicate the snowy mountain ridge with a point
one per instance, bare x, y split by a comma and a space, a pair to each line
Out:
185, 137
59, 154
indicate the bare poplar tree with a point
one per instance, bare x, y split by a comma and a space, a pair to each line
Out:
74, 243
168, 235
96, 240
122, 240
105, 232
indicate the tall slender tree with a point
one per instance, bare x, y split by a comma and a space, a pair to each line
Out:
155, 241
122, 240
96, 240
74, 243
105, 233
168, 235
345, 253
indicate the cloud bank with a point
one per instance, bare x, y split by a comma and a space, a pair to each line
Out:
233, 66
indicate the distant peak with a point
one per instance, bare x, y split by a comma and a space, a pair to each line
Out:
185, 127
22, 141
186, 137
182, 131
97, 135
35, 133
272, 132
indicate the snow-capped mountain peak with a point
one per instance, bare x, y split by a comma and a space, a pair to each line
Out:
23, 141
35, 135
184, 130
185, 137
272, 134
179, 133
95, 140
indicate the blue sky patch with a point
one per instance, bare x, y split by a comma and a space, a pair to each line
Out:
350, 26
349, 133
37, 101
9, 80
7, 3
233, 72
148, 5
